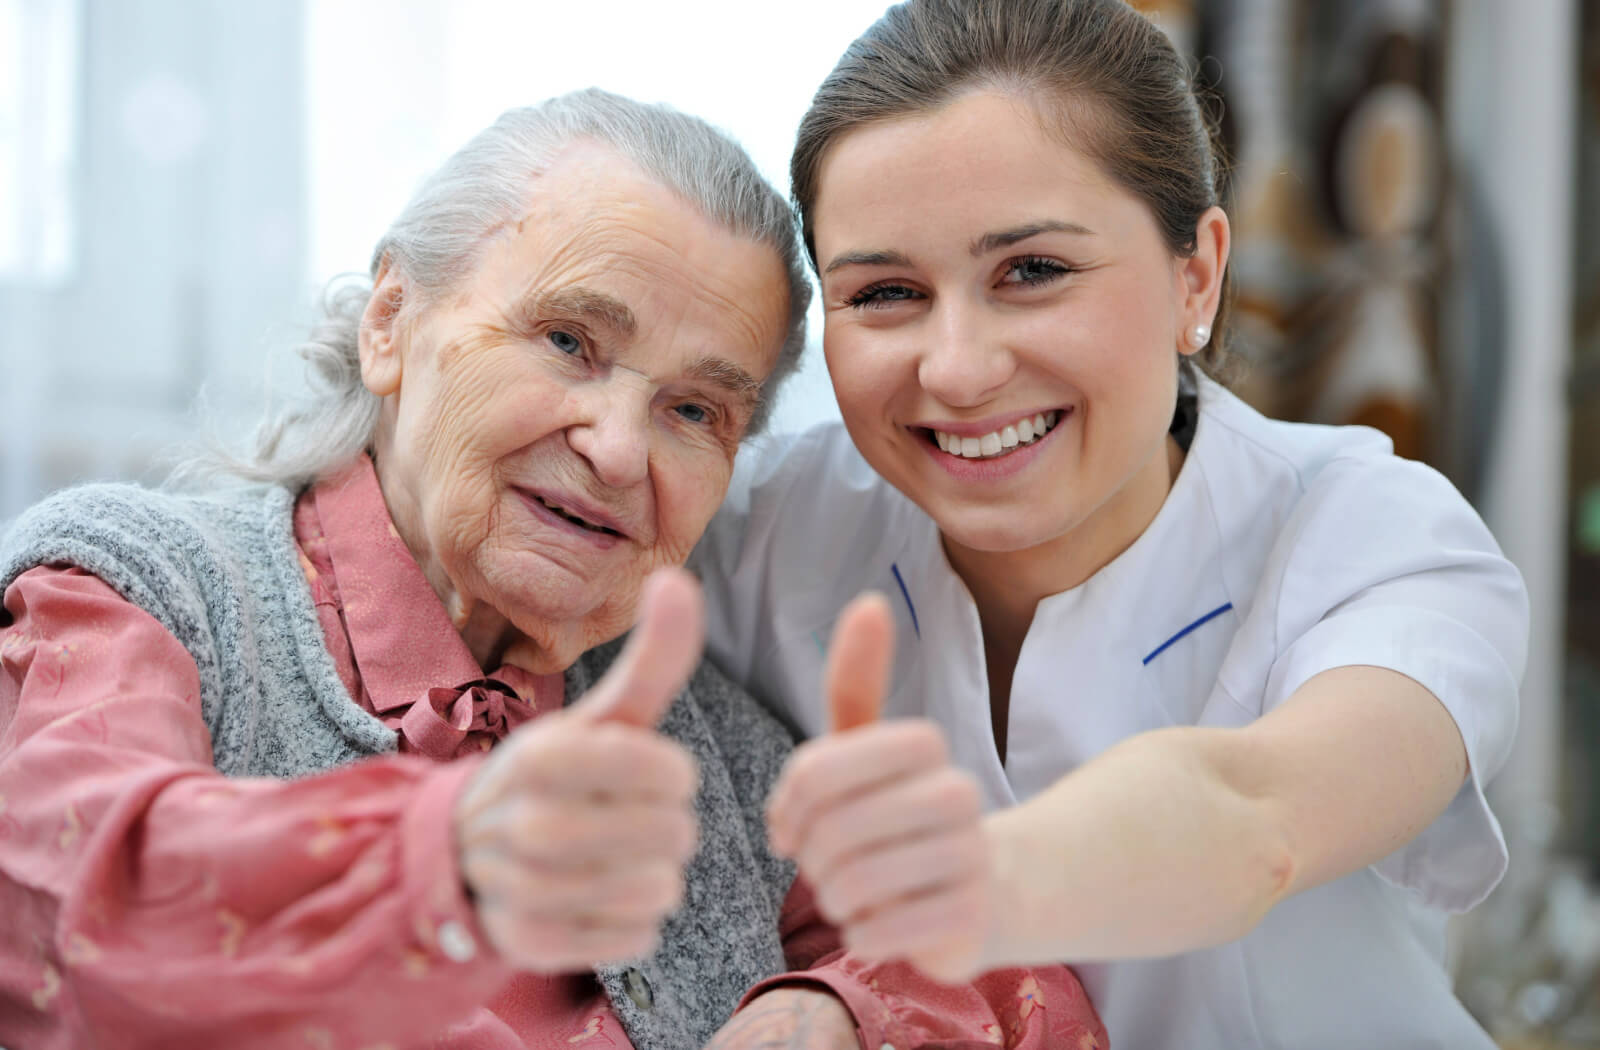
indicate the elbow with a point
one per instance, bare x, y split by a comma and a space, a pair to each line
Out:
1271, 872
1253, 865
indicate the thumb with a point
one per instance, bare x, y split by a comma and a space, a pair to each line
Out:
859, 659
661, 653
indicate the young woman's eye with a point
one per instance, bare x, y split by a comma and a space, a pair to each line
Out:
881, 295
1034, 270
565, 341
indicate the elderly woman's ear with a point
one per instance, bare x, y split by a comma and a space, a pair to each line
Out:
379, 338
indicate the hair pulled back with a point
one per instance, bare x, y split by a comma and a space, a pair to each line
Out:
1103, 76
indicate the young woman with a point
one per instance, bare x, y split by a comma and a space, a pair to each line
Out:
1229, 687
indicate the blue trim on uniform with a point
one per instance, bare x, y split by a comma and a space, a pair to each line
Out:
1212, 615
894, 568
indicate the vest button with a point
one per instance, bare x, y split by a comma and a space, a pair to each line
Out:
638, 989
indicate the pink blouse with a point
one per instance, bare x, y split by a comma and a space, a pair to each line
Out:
150, 901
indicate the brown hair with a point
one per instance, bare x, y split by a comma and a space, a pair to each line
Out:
1120, 91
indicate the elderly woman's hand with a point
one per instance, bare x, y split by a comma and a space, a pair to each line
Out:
888, 832
574, 835
789, 1018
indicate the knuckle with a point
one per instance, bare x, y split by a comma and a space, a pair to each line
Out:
867, 940
685, 780
670, 889
950, 844
683, 836
958, 791
826, 830
818, 863
486, 877
928, 742
639, 943
546, 825
805, 764
833, 897
848, 893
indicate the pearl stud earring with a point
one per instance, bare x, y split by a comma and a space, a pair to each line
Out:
1199, 335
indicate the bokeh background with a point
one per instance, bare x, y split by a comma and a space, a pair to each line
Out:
1416, 195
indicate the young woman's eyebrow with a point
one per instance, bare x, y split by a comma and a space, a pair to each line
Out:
981, 246
866, 258
1006, 238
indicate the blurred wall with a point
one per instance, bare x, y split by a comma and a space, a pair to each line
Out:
188, 238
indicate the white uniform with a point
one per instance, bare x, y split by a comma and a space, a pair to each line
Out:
1282, 550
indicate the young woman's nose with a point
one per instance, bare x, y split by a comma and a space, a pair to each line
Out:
614, 437
963, 364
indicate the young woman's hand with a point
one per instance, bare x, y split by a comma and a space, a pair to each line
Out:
886, 830
573, 836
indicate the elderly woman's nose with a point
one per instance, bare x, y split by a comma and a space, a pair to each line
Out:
615, 439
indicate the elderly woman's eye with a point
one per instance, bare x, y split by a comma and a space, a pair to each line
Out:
695, 413
566, 342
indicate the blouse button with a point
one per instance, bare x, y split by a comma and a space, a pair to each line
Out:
457, 944
638, 989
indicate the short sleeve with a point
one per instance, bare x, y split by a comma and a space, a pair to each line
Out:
726, 552
1385, 564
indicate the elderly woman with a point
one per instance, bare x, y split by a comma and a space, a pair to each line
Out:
250, 793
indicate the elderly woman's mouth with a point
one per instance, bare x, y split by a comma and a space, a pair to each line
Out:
584, 519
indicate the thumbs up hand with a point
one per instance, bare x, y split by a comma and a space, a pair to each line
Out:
888, 833
574, 834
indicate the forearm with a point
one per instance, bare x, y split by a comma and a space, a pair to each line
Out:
1160, 845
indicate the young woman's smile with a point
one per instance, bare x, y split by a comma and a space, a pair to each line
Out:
995, 448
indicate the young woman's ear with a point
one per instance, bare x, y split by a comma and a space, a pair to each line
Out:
379, 340
1200, 278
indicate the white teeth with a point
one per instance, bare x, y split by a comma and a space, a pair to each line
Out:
1022, 432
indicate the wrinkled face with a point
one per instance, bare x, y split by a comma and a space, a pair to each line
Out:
567, 421
1002, 325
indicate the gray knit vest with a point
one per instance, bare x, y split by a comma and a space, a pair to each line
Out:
222, 574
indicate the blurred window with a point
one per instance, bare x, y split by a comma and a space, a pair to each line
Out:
40, 56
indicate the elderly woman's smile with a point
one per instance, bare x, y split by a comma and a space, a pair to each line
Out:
567, 421
600, 527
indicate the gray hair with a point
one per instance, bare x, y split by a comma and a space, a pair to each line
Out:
438, 239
